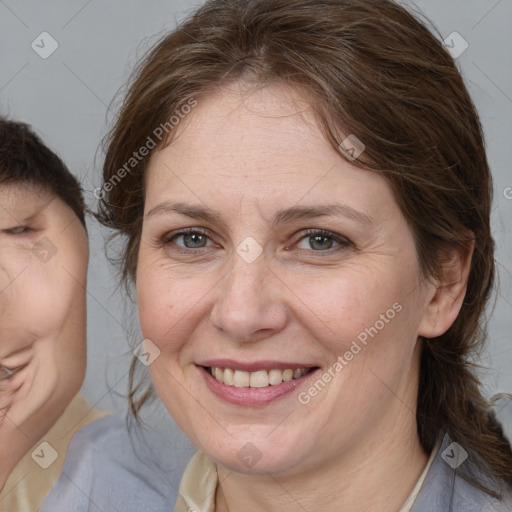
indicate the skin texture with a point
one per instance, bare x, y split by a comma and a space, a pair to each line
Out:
246, 154
43, 312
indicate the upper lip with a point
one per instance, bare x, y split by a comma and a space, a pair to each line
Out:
253, 366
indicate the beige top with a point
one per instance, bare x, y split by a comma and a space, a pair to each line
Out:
199, 484
29, 482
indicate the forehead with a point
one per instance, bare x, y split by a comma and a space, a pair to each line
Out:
22, 196
247, 127
257, 146
22, 202
14, 191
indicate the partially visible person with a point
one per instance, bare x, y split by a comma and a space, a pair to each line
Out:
43, 268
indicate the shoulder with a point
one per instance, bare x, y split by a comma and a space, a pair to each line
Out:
503, 410
447, 487
112, 466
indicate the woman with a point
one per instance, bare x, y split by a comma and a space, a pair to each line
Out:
304, 194
43, 267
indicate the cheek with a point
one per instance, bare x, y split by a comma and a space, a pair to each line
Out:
12, 267
338, 306
168, 306
49, 294
40, 294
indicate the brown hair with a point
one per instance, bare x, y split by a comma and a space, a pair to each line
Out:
373, 70
24, 159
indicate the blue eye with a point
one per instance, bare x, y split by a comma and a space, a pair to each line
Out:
321, 241
194, 240
191, 240
188, 239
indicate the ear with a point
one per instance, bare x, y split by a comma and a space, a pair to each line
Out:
446, 295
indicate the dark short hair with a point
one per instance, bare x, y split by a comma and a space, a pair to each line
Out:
25, 159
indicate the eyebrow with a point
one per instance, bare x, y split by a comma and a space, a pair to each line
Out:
309, 212
282, 216
21, 220
190, 210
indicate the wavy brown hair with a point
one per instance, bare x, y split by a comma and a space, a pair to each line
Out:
372, 69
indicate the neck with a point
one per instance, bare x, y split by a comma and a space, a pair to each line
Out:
13, 445
20, 433
377, 474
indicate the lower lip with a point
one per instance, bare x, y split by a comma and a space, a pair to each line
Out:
251, 397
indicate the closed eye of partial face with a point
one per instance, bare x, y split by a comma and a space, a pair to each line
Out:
18, 230
22, 210
24, 229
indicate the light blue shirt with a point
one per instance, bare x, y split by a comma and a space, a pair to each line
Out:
110, 470
111, 467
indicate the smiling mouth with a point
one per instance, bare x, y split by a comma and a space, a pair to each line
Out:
257, 379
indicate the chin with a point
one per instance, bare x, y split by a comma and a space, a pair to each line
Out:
258, 454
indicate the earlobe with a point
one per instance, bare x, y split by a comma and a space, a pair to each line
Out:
446, 295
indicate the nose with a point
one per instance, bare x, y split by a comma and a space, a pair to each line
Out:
249, 305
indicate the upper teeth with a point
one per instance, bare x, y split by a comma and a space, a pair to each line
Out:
259, 379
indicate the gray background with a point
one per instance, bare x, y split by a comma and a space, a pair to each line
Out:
68, 99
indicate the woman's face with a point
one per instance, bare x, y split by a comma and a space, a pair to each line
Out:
43, 266
264, 251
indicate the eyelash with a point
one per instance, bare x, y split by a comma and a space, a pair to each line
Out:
168, 238
309, 233
340, 240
